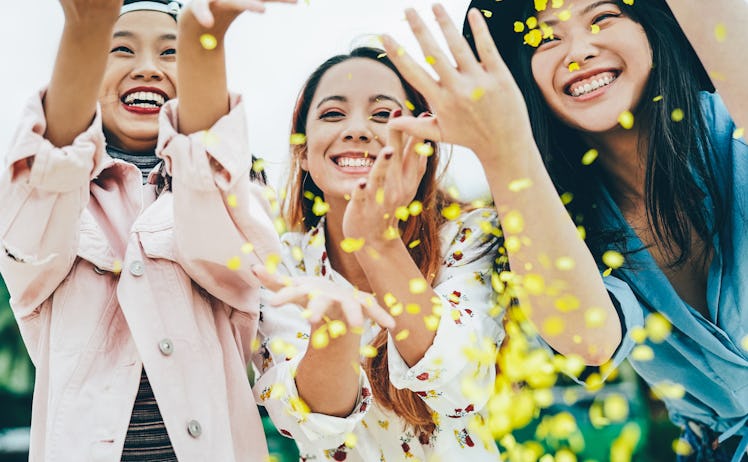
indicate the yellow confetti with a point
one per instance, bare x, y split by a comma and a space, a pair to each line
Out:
350, 244
298, 405
626, 119
424, 149
320, 339
320, 207
638, 334
297, 253
534, 283
533, 37
567, 197
350, 440
418, 285
477, 93
413, 308
208, 41
744, 343
271, 263
720, 32
402, 213
379, 196
432, 322
607, 272
452, 211
613, 259
532, 22
337, 328
415, 208
628, 2
414, 244
540, 5
658, 327
564, 15
280, 225
247, 248
738, 133
589, 157
396, 309
231, 200
210, 139
682, 447
298, 139
402, 335
565, 263
657, 98
431, 60
557, 3
234, 263
595, 29
519, 26
368, 351
594, 317
487, 13
409, 105
400, 51
566, 303
554, 325
513, 222
677, 115
615, 407
520, 184
642, 353
669, 390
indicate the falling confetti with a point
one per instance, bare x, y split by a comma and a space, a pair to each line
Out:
613, 259
477, 93
208, 41
720, 32
424, 149
298, 139
418, 285
626, 119
573, 66
589, 157
350, 244
677, 115
234, 263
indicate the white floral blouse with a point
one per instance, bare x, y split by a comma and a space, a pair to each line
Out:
440, 377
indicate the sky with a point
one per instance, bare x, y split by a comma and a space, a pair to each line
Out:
268, 57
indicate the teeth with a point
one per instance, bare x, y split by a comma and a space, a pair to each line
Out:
582, 89
355, 161
144, 97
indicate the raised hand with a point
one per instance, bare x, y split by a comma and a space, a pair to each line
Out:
207, 11
392, 182
323, 298
477, 103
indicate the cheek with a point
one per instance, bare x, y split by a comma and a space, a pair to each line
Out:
542, 74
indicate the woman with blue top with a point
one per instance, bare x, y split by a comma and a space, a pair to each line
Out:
657, 169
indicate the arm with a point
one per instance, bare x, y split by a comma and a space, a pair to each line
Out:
702, 22
535, 215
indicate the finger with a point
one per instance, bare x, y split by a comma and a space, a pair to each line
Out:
255, 6
318, 306
201, 10
298, 295
487, 53
352, 312
413, 73
457, 44
425, 128
430, 48
377, 313
378, 173
270, 281
395, 139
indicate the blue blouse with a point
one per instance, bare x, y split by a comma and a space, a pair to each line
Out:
705, 356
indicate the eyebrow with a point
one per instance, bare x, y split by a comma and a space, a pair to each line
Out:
587, 9
373, 99
128, 34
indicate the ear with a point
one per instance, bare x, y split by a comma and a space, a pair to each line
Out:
304, 161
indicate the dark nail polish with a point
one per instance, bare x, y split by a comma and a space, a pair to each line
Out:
388, 155
396, 113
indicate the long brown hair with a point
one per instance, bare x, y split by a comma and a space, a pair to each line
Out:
297, 211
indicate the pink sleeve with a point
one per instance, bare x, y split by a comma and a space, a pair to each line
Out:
219, 215
43, 190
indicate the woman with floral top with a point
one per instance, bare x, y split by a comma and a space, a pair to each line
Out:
343, 387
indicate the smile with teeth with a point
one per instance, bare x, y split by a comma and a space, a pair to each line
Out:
355, 161
144, 99
583, 87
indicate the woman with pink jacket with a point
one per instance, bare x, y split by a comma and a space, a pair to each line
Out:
115, 235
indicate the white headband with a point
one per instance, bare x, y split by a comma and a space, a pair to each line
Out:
172, 8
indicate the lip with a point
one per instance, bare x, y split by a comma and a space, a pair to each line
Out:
586, 75
143, 110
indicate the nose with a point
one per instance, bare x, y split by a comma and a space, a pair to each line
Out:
146, 68
358, 130
582, 48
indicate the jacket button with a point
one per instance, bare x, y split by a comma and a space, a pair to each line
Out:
137, 268
166, 347
194, 428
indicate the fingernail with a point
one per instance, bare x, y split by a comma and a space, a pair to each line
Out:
425, 114
388, 155
362, 184
396, 113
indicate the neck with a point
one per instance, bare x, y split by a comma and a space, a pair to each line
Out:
343, 262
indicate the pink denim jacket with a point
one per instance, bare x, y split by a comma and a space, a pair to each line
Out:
105, 278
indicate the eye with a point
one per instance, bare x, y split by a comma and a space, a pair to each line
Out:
603, 16
332, 114
169, 52
382, 115
121, 49
548, 39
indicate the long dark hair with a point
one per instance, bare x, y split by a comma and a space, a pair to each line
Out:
298, 213
680, 156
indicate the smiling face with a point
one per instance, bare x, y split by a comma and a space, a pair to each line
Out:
140, 77
346, 126
614, 60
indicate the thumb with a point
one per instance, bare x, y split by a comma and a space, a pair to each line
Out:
418, 127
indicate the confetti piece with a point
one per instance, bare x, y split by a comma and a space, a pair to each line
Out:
297, 253
565, 15
720, 32
682, 448
566, 197
642, 353
669, 390
638, 334
117, 266
477, 93
424, 149
413, 308
520, 184
350, 244
414, 244
271, 263
208, 41
519, 26
320, 339
595, 29
744, 343
626, 119
487, 13
280, 225
677, 115
513, 222
738, 133
540, 5
400, 51
532, 22
379, 196
298, 139
566, 303
628, 2
557, 3
231, 200
452, 211
234, 263
299, 406
409, 105
402, 335
396, 309
432, 322
320, 207
565, 263
658, 327
657, 98
553, 326
415, 208
613, 259
368, 351
350, 440
337, 328
418, 285
431, 60
533, 38
534, 283
589, 157
615, 407
402, 213
258, 165
389, 299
